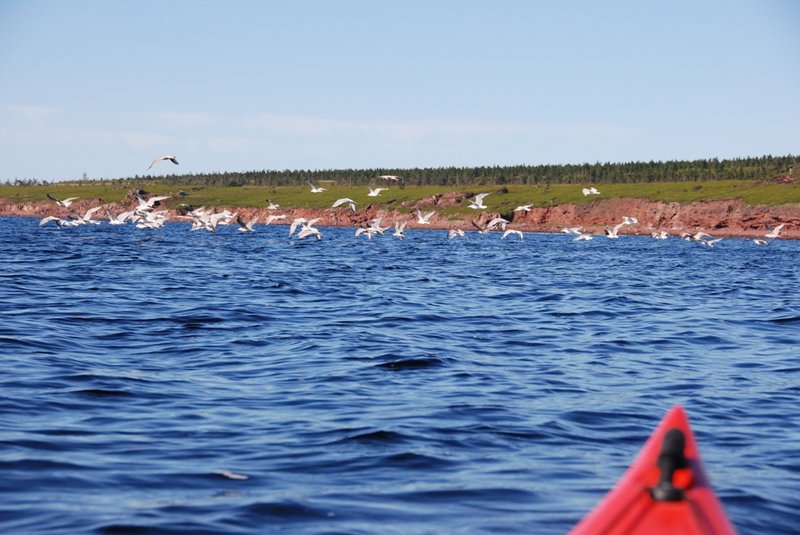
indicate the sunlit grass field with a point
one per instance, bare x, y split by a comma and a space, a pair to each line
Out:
502, 199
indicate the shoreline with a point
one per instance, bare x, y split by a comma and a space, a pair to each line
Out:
727, 218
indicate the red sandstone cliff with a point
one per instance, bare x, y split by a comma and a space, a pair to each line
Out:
719, 218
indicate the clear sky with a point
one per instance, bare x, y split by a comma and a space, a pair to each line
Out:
103, 86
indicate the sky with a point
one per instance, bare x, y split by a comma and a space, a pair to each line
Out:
98, 88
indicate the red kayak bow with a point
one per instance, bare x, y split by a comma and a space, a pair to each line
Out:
664, 491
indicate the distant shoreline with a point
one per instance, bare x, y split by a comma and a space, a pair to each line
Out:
720, 218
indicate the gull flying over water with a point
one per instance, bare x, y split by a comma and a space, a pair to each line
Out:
399, 229
344, 200
424, 219
246, 226
571, 230
159, 159
63, 203
455, 233
477, 202
511, 231
773, 232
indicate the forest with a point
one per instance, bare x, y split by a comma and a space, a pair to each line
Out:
750, 168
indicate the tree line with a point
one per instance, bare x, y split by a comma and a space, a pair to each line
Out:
750, 168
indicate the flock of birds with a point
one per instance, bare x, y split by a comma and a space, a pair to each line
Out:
146, 216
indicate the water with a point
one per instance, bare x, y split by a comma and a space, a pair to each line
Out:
384, 386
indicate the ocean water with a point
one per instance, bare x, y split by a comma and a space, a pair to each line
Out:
172, 381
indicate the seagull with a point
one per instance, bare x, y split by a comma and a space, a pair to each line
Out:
571, 230
481, 229
523, 208
87, 217
773, 232
271, 218
663, 235
390, 177
375, 192
60, 222
149, 204
612, 232
65, 203
316, 189
699, 236
477, 202
590, 191
511, 231
758, 241
455, 233
308, 230
710, 243
163, 157
424, 219
583, 237
497, 222
303, 223
344, 200
118, 219
272, 206
399, 229
246, 226
629, 220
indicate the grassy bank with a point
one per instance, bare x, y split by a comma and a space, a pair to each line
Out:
502, 199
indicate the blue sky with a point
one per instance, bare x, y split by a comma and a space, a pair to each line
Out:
102, 87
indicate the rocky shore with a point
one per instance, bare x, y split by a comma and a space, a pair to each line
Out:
722, 218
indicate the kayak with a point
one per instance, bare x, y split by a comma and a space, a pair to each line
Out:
664, 491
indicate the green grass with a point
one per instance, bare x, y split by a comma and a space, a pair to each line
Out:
503, 199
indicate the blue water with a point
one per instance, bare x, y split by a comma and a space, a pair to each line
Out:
385, 386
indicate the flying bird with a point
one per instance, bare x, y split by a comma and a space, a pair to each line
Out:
773, 232
590, 191
345, 200
424, 219
477, 202
158, 160
65, 203
390, 177
374, 192
316, 189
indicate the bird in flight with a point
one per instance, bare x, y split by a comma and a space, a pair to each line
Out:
158, 159
63, 204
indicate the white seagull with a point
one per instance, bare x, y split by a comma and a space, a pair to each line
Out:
424, 219
163, 157
477, 202
571, 230
271, 218
374, 192
316, 189
773, 232
583, 237
399, 229
390, 177
65, 203
523, 208
344, 200
590, 191
246, 226
511, 231
455, 233
272, 206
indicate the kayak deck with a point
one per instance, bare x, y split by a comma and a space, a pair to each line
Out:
665, 490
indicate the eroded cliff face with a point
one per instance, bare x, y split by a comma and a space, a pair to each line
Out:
719, 218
